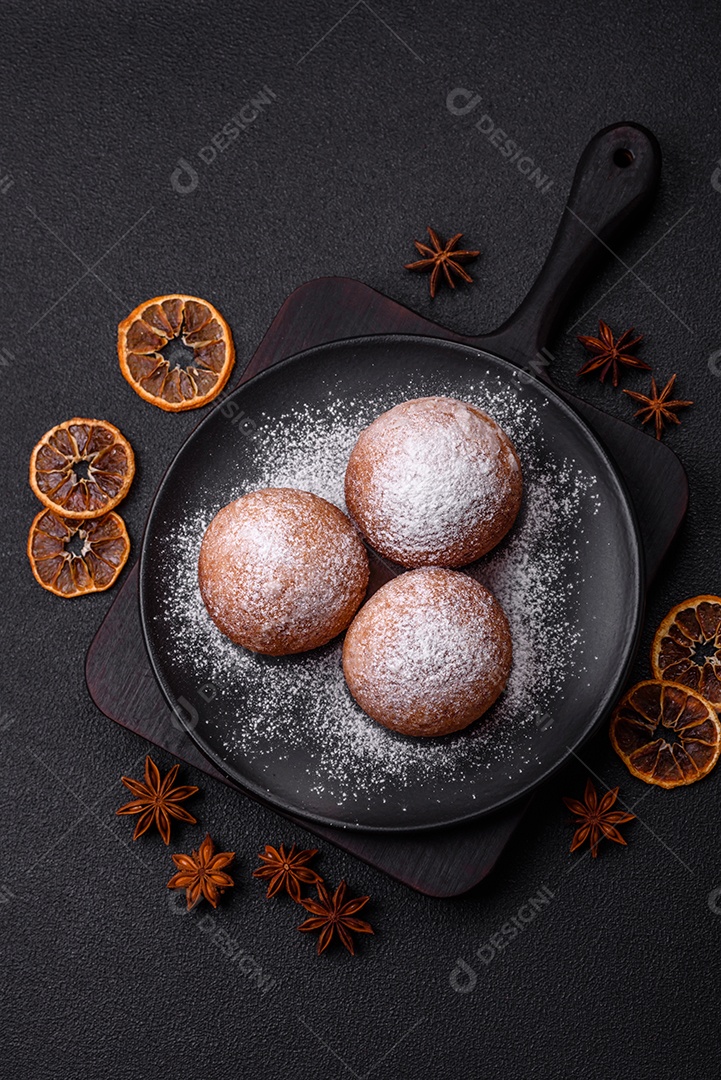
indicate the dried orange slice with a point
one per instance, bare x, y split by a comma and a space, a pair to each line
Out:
666, 734
66, 452
687, 646
151, 336
70, 557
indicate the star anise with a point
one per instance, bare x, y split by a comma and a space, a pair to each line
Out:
287, 871
201, 874
608, 352
597, 819
334, 915
157, 800
658, 407
439, 258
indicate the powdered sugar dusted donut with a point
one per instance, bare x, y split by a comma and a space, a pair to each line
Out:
282, 571
429, 653
433, 482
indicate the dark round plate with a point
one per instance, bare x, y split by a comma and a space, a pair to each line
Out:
569, 576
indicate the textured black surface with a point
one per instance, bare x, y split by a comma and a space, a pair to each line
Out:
357, 153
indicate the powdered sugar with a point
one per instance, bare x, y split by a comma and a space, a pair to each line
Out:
298, 709
433, 481
429, 653
281, 570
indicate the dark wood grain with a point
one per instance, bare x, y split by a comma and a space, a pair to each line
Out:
616, 178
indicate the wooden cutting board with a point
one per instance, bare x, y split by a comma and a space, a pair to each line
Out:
441, 862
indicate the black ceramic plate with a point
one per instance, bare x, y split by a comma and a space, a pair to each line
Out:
569, 576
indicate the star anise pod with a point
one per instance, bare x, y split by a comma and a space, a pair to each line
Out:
335, 915
201, 874
597, 819
157, 800
658, 407
608, 352
442, 258
287, 871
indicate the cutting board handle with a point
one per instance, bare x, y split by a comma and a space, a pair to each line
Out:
617, 175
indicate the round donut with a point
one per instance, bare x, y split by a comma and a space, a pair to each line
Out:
282, 571
429, 653
433, 482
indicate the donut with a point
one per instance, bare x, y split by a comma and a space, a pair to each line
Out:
429, 653
433, 482
281, 571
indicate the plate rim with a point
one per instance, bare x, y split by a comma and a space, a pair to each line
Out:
280, 804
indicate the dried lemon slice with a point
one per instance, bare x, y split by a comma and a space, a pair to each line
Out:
82, 468
666, 734
102, 551
687, 646
148, 364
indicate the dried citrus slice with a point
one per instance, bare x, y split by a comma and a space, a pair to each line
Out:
70, 557
146, 351
82, 468
687, 646
666, 734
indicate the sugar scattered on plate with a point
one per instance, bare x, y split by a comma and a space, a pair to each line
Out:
298, 709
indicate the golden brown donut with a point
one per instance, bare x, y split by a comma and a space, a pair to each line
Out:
433, 482
429, 653
282, 571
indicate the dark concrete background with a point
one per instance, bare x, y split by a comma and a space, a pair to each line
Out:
354, 156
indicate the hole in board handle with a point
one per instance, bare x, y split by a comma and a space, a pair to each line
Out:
623, 157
